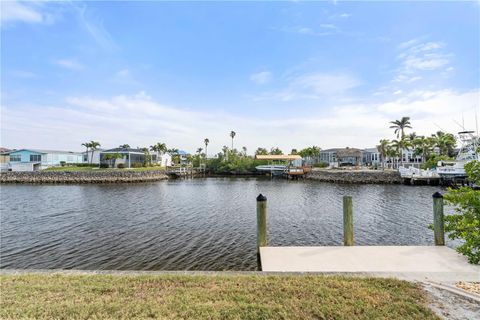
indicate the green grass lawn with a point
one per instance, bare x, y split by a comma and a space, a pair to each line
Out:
56, 296
75, 168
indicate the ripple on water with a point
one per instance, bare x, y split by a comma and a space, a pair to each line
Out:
204, 224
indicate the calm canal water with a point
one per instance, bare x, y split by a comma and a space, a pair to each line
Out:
201, 224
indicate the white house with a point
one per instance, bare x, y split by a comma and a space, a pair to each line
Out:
161, 159
34, 159
92, 156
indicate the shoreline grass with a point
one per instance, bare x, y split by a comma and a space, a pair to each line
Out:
60, 296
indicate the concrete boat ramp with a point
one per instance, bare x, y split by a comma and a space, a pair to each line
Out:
438, 263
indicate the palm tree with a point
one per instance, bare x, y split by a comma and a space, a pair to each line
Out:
161, 147
244, 150
125, 146
86, 145
93, 146
399, 146
383, 150
206, 142
199, 151
232, 135
400, 125
445, 142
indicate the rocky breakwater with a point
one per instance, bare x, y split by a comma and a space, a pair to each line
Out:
113, 176
355, 176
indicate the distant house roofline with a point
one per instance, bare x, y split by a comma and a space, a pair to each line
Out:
45, 151
123, 150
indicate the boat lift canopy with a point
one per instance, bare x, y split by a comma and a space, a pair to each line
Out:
289, 157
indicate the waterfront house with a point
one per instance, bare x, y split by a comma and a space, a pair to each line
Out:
92, 156
128, 157
4, 159
337, 157
183, 157
162, 159
36, 159
371, 157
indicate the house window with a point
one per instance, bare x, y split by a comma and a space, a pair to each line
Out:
15, 157
70, 158
35, 158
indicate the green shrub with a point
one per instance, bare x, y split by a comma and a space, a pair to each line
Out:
136, 165
121, 166
104, 165
432, 161
465, 223
63, 163
321, 165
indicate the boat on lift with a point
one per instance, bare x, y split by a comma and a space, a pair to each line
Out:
467, 152
272, 168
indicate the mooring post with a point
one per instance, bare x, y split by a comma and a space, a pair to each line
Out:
261, 222
438, 228
347, 221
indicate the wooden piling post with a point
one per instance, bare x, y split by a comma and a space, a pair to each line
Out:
261, 222
347, 221
438, 228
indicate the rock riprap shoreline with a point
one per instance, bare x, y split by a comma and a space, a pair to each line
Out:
82, 176
355, 176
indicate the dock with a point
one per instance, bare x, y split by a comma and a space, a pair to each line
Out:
412, 260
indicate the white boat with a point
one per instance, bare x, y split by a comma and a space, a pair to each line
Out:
468, 152
271, 168
412, 172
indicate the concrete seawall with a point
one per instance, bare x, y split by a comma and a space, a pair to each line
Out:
115, 176
356, 176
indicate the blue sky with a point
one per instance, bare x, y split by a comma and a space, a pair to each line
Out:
287, 74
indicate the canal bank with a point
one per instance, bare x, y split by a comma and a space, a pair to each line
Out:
81, 177
355, 176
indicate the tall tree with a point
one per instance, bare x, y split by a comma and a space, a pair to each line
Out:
445, 142
206, 142
261, 151
276, 151
232, 135
399, 146
400, 125
383, 150
124, 146
93, 146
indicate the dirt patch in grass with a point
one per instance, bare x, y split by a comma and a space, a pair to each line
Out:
209, 297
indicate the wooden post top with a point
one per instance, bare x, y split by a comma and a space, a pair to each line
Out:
261, 197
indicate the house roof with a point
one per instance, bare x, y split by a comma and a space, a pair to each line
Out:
349, 152
123, 150
290, 157
43, 151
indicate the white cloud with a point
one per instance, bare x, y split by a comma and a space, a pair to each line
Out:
71, 64
34, 12
313, 86
94, 26
261, 77
140, 120
13, 11
423, 56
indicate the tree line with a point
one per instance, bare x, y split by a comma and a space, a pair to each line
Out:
431, 149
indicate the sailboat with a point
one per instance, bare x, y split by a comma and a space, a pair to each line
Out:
467, 152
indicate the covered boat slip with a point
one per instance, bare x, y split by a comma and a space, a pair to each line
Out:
278, 164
